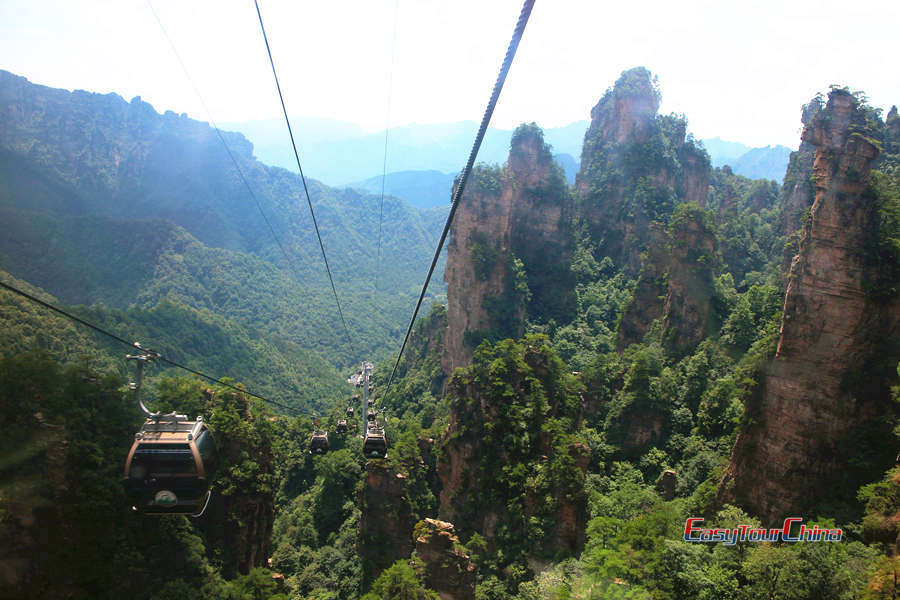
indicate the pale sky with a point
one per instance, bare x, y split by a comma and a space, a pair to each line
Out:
737, 70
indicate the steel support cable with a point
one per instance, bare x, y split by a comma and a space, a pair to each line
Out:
303, 178
122, 340
291, 265
457, 195
387, 122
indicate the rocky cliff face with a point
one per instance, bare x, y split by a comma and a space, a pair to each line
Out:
893, 123
728, 199
447, 568
816, 410
890, 157
688, 315
508, 464
647, 300
676, 284
246, 531
798, 191
635, 167
386, 522
239, 519
508, 249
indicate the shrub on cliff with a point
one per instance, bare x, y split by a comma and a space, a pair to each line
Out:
520, 405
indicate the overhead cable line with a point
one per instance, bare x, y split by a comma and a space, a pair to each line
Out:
122, 340
457, 195
303, 178
290, 262
387, 122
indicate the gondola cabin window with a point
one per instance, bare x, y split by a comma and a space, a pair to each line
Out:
158, 460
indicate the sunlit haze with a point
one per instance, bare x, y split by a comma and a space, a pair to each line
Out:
740, 71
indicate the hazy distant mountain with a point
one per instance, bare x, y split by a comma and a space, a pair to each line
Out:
311, 129
763, 163
722, 152
428, 189
769, 162
422, 189
339, 153
568, 164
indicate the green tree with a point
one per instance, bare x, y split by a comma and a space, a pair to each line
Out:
399, 582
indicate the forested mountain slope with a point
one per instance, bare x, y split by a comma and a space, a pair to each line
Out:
106, 198
283, 370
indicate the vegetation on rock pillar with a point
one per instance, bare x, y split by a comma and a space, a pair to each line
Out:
518, 400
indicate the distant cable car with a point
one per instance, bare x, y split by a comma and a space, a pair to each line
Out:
371, 388
371, 402
371, 416
350, 411
319, 442
341, 426
171, 465
374, 445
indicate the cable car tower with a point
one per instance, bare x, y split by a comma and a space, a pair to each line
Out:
362, 381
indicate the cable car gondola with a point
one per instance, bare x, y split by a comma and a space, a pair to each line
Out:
170, 466
341, 426
319, 442
172, 460
350, 412
371, 417
375, 445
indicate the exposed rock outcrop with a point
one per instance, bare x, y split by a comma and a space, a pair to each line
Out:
447, 568
386, 522
676, 284
648, 299
238, 524
893, 123
508, 249
570, 518
251, 520
688, 314
728, 199
821, 405
635, 167
667, 481
798, 191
